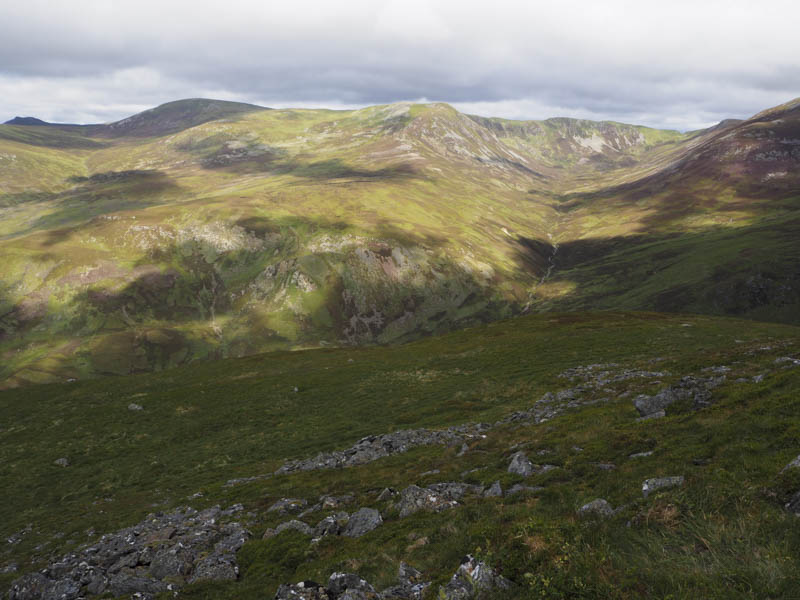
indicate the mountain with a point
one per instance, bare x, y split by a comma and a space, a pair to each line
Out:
206, 229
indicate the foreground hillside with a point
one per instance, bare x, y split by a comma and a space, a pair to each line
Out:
489, 441
206, 229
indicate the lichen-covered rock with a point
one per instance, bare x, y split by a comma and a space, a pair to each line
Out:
599, 507
473, 579
520, 465
659, 483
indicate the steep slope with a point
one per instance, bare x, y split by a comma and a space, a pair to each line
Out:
208, 229
715, 230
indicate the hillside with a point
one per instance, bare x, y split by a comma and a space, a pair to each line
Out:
607, 455
208, 229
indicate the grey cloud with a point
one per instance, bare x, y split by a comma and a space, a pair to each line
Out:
679, 63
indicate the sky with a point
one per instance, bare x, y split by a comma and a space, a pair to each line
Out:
672, 64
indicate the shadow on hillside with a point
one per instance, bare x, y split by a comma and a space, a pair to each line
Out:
66, 137
748, 271
276, 161
96, 196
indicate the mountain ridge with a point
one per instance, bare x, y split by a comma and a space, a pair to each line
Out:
201, 229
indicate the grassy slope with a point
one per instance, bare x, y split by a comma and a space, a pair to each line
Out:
291, 228
722, 535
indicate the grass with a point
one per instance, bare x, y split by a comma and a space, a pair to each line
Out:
724, 534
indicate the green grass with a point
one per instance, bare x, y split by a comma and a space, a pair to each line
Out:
724, 534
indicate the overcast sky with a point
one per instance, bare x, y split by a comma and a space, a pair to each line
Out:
672, 63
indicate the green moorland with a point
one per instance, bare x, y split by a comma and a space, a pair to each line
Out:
723, 534
205, 229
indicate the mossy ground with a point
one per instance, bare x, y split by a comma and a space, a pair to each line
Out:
724, 534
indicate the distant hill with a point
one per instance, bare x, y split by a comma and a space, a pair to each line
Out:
26, 121
203, 229
176, 116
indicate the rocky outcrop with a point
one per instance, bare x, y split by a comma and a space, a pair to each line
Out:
435, 497
374, 447
696, 389
159, 554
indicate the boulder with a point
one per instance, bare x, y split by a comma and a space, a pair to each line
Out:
361, 522
520, 465
494, 491
331, 525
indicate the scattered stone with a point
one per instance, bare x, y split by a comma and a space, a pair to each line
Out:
641, 454
472, 578
494, 491
652, 485
599, 507
433, 472
361, 522
11, 567
577, 449
162, 552
135, 407
61, 462
287, 505
758, 378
